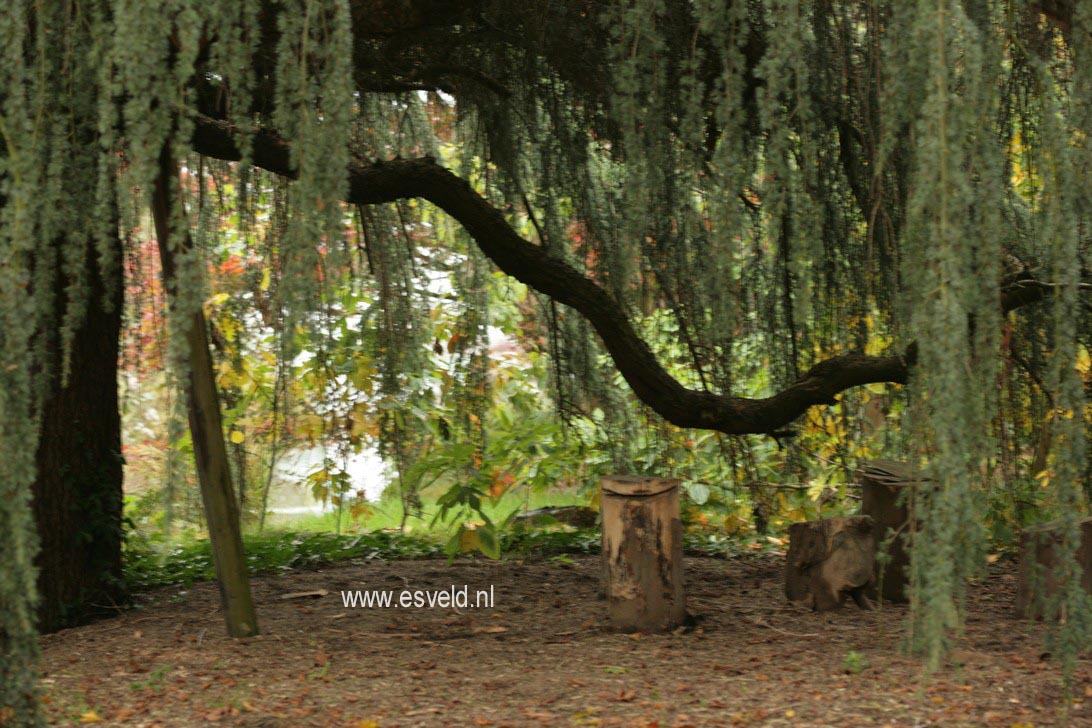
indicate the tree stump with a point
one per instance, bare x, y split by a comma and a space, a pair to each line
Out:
1040, 550
642, 553
830, 560
882, 485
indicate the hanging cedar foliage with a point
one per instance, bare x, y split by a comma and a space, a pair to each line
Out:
828, 194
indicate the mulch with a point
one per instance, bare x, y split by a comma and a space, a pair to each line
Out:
543, 655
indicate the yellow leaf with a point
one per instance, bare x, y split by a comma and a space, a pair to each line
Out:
90, 717
470, 541
594, 503
237, 437
790, 713
367, 724
227, 380
229, 328
266, 278
734, 523
359, 419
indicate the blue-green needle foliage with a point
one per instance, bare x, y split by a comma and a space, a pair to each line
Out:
768, 181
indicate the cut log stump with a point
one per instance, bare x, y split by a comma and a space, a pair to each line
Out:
830, 560
642, 553
883, 483
1040, 551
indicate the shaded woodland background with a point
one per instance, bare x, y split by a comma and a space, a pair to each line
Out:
436, 264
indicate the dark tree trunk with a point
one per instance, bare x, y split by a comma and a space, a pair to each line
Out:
1040, 558
77, 496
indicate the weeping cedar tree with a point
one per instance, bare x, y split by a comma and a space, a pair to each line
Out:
803, 175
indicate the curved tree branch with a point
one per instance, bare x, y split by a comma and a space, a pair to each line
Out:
380, 182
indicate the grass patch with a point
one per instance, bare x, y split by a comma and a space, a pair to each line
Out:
269, 552
309, 540
278, 551
387, 513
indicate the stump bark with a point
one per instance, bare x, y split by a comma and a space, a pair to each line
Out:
642, 553
830, 560
1041, 550
883, 483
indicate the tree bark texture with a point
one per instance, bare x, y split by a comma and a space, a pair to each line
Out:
77, 496
642, 553
830, 560
1040, 552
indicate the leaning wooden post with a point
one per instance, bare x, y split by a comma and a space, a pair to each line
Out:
642, 553
206, 429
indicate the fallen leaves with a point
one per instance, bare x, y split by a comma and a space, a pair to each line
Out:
540, 715
741, 672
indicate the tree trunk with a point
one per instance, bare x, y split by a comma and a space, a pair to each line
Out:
642, 553
77, 495
883, 484
830, 560
1040, 548
206, 429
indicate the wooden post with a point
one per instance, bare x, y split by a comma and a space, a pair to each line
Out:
1039, 551
206, 429
642, 553
882, 485
830, 560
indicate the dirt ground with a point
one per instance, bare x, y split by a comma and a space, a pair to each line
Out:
542, 656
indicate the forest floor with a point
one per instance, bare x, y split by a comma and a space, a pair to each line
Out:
543, 656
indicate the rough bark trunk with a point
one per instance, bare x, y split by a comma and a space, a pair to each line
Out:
1040, 551
642, 553
883, 483
830, 560
206, 428
77, 496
